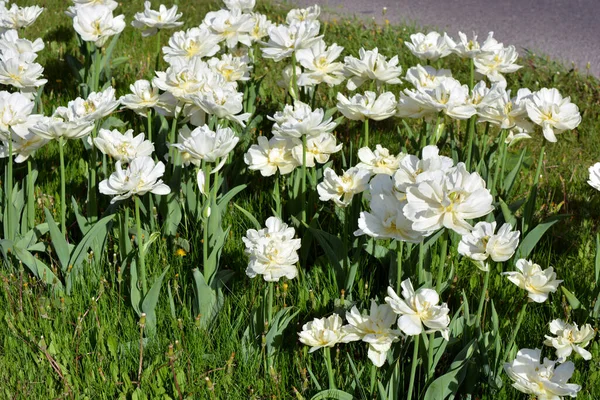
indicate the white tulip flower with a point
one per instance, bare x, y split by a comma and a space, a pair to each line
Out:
231, 26
97, 23
232, 69
537, 282
493, 64
545, 380
19, 70
97, 106
498, 108
323, 332
186, 78
465, 47
141, 176
569, 338
303, 14
10, 40
379, 161
449, 97
418, 309
426, 77
371, 66
242, 5
374, 329
143, 97
19, 17
150, 21
482, 242
300, 120
203, 144
431, 46
23, 146
448, 200
284, 40
555, 114
62, 125
195, 42
15, 109
273, 251
261, 27
341, 189
319, 64
270, 155
385, 219
594, 179
123, 146
478, 93
223, 101
318, 149
368, 106
78, 4
411, 170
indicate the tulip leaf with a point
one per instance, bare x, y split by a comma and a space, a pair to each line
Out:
510, 179
280, 322
332, 394
357, 375
136, 294
572, 299
151, 239
508, 215
60, 245
332, 245
98, 230
448, 384
150, 301
597, 261
534, 236
250, 217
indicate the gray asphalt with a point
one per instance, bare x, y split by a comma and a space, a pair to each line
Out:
566, 30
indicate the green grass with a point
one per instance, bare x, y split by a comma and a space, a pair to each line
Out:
87, 345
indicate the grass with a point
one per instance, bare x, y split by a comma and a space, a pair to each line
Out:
87, 345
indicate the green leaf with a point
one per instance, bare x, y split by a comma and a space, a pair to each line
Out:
150, 301
508, 215
448, 384
60, 245
333, 394
280, 322
99, 229
223, 201
250, 217
534, 236
148, 243
597, 263
572, 299
510, 179
136, 294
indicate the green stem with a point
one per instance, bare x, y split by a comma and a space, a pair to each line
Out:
538, 170
470, 136
30, 196
420, 272
303, 191
486, 280
399, 251
206, 168
502, 148
413, 368
140, 243
366, 126
150, 198
270, 304
443, 253
327, 353
9, 190
172, 139
430, 369
63, 204
296, 93
92, 196
149, 117
513, 336
158, 50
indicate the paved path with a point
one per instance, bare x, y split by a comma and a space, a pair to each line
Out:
567, 30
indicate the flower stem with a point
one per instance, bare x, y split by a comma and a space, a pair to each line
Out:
472, 74
497, 170
486, 281
140, 243
30, 196
443, 253
270, 304
399, 251
9, 190
92, 202
158, 49
366, 126
470, 136
294, 85
63, 204
513, 336
538, 170
430, 369
413, 368
172, 138
206, 168
327, 354
303, 191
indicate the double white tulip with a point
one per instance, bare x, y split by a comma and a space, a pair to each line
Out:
141, 176
537, 282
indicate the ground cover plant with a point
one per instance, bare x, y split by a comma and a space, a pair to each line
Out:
230, 200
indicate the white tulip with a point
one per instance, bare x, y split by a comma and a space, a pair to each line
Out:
284, 40
150, 21
141, 176
318, 149
298, 15
123, 146
411, 170
431, 46
371, 66
537, 282
324, 332
493, 64
545, 380
243, 5
300, 120
319, 64
482, 243
569, 338
594, 179
368, 106
555, 114
374, 329
203, 144
96, 24
19, 17
230, 26
15, 109
195, 42
270, 155
143, 97
498, 108
426, 77
379, 161
341, 189
418, 309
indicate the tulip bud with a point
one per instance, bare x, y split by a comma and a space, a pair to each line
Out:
143, 320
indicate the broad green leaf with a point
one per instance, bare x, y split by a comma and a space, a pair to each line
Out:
448, 384
510, 179
150, 301
597, 263
136, 294
534, 236
148, 243
60, 245
80, 252
250, 217
280, 322
333, 394
508, 215
572, 299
